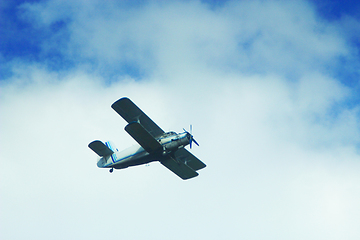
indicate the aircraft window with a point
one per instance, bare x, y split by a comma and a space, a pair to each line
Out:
168, 134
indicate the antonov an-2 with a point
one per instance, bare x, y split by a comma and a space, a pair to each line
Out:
155, 145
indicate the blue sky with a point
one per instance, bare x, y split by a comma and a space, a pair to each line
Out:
23, 39
270, 87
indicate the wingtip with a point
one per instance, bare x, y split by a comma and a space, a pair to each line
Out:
113, 106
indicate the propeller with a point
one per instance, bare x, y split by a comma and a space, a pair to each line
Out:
191, 136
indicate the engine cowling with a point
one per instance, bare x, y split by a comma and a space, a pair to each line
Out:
175, 143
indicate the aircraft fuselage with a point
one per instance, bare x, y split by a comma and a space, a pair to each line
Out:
136, 155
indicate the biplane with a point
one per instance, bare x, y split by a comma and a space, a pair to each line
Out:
155, 145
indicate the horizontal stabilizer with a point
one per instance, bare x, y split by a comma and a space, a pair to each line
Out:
143, 137
100, 148
179, 168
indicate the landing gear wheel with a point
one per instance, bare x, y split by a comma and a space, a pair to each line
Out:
111, 170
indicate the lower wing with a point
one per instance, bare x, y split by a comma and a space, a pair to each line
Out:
183, 164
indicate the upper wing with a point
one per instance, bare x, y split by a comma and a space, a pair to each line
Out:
131, 113
143, 137
186, 157
100, 148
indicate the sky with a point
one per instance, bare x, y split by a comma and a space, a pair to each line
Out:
271, 89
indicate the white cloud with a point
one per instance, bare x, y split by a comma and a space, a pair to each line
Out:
281, 152
270, 36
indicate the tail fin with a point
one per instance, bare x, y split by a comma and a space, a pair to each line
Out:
111, 145
100, 148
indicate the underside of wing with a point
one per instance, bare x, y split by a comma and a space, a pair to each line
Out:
143, 137
131, 113
190, 160
100, 148
179, 168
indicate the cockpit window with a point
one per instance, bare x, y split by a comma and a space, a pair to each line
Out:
168, 134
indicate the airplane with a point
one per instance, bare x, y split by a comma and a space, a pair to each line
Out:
155, 145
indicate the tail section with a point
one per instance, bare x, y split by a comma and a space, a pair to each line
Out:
111, 145
102, 149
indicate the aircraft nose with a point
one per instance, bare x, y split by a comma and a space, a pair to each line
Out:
188, 136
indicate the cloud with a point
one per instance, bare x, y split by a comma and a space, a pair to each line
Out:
246, 36
275, 130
